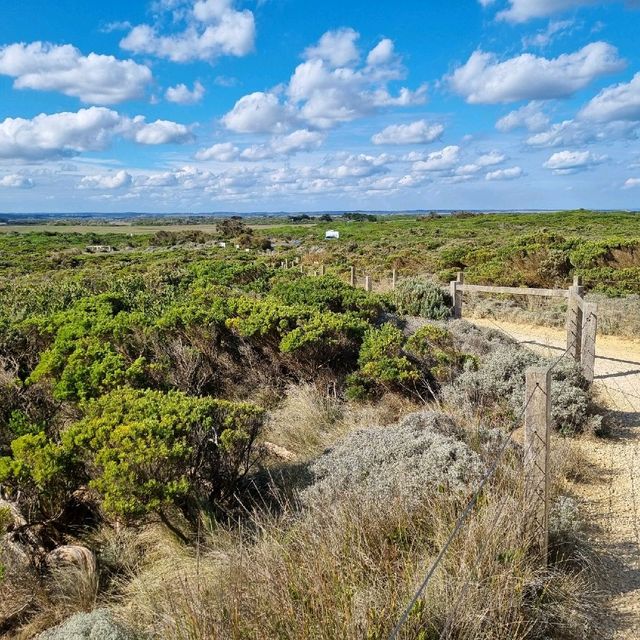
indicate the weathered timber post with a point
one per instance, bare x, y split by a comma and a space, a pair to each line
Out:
322, 270
286, 263
352, 276
574, 318
394, 278
537, 427
367, 283
456, 295
301, 268
588, 350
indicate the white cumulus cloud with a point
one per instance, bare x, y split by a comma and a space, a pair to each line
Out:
441, 160
618, 102
322, 95
483, 79
259, 112
530, 117
97, 79
108, 181
512, 173
158, 132
70, 133
213, 28
629, 183
16, 181
570, 161
181, 94
221, 152
337, 48
418, 132
524, 10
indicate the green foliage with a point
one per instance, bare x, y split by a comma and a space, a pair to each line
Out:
418, 297
434, 346
382, 363
326, 293
144, 450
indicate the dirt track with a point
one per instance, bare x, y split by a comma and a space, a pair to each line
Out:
612, 499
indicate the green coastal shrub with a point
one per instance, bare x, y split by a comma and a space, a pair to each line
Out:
145, 450
383, 366
142, 451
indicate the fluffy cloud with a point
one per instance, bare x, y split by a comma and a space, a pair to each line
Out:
418, 132
524, 10
382, 53
618, 102
158, 132
482, 162
71, 133
94, 78
181, 94
119, 180
16, 181
359, 166
512, 173
571, 161
300, 140
258, 112
337, 48
441, 160
530, 117
321, 95
483, 79
577, 133
629, 183
58, 134
213, 28
220, 152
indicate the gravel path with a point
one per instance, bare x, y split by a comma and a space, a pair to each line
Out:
612, 498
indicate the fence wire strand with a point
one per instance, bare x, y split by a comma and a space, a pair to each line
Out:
461, 520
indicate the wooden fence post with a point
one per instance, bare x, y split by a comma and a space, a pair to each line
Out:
537, 427
574, 319
456, 295
352, 276
588, 350
301, 268
322, 269
367, 283
286, 263
394, 278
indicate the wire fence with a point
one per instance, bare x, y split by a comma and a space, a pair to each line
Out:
471, 503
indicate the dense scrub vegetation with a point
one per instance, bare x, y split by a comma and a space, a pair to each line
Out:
195, 437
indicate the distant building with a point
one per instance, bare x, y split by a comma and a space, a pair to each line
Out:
332, 235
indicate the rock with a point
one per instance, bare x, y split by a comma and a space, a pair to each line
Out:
97, 625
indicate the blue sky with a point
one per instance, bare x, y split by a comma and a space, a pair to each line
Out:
269, 105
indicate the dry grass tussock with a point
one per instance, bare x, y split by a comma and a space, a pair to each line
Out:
344, 568
45, 603
309, 419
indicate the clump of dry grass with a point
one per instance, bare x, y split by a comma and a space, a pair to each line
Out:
309, 420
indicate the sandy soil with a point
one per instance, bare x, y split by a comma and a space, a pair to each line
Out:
611, 499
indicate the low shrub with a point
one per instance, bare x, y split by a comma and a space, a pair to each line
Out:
419, 297
142, 451
418, 456
382, 364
